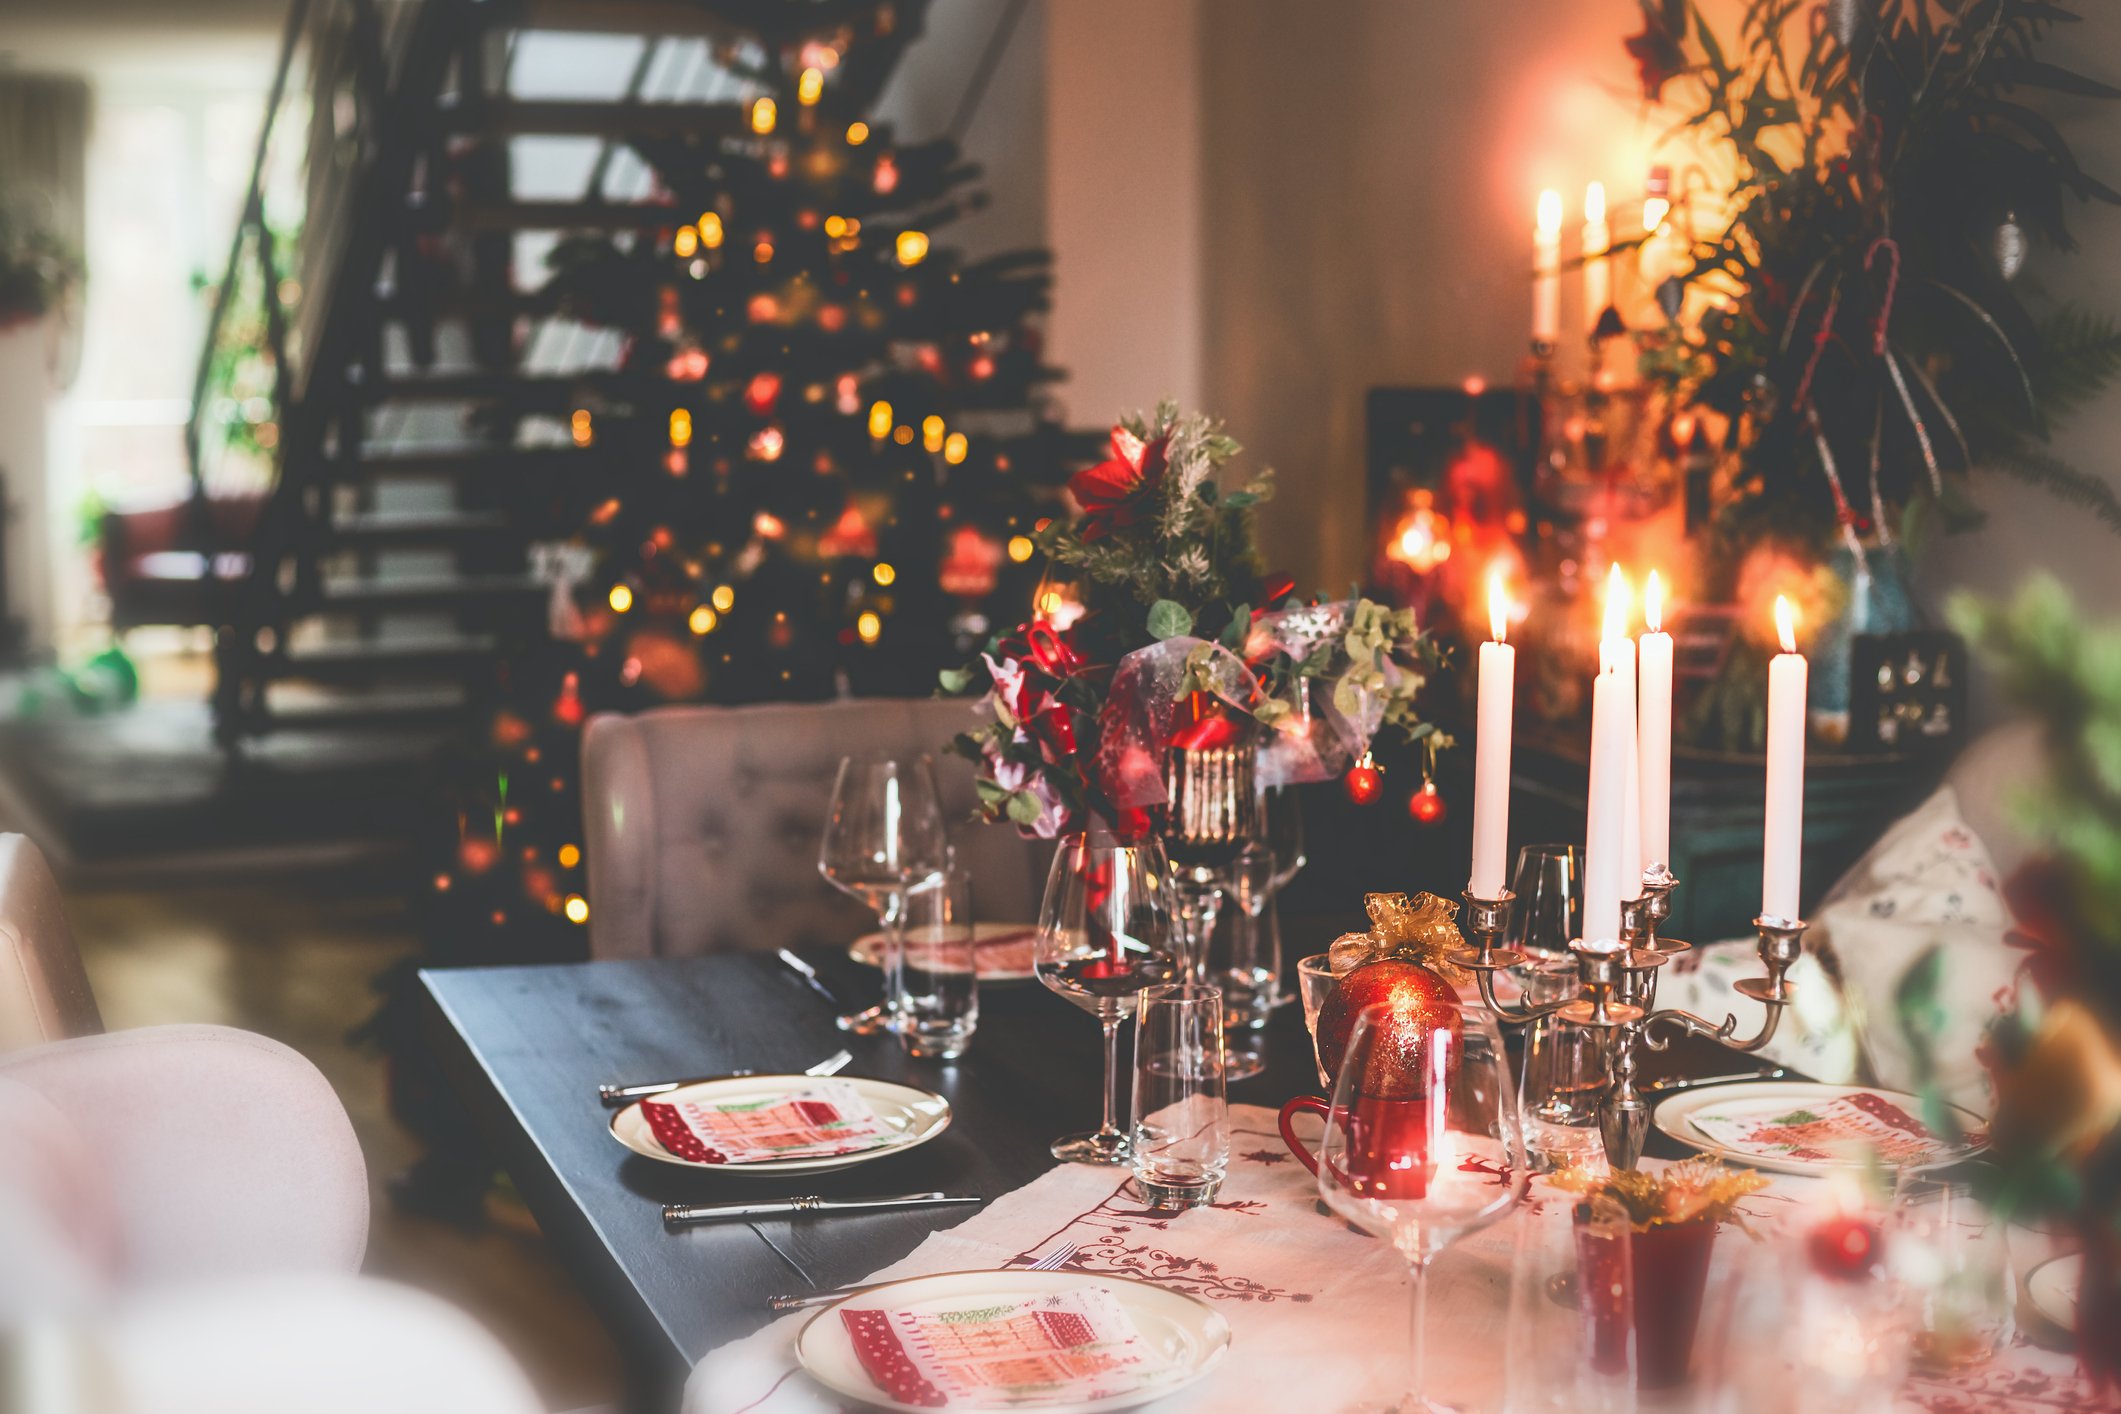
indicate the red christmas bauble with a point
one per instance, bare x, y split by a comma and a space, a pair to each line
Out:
1414, 1003
1846, 1247
1426, 805
1364, 784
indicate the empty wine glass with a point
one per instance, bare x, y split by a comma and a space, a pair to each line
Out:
1548, 913
1422, 1143
1104, 934
884, 837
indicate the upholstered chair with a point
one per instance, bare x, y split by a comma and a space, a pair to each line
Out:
44, 991
1988, 776
702, 824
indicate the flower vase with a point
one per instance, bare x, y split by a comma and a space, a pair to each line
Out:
1644, 1286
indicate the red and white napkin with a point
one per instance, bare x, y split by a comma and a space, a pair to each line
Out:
816, 1122
1844, 1128
1071, 1347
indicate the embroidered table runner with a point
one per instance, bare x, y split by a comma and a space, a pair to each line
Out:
1317, 1311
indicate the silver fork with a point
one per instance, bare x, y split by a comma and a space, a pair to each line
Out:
1052, 1262
615, 1095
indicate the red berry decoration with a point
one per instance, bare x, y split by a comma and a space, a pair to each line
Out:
1392, 968
1364, 782
1426, 805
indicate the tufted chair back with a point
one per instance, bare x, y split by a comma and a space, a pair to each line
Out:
44, 991
702, 824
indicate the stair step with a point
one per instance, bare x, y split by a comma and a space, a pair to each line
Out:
520, 117
565, 215
478, 459
376, 529
376, 659
398, 709
408, 593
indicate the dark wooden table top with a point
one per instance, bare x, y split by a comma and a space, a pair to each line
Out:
526, 1047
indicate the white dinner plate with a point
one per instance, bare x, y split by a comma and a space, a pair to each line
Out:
916, 1115
2052, 1288
988, 938
1675, 1117
1189, 1333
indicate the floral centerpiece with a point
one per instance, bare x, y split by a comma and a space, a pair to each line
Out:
1158, 628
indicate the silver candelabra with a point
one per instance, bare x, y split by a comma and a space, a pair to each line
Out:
1617, 994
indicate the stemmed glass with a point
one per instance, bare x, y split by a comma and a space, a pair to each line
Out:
1104, 934
884, 838
1422, 1143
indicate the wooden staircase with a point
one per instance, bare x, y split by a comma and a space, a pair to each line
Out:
423, 384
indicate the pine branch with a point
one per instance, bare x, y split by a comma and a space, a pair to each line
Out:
2041, 468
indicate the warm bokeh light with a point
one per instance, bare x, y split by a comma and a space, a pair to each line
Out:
932, 433
1654, 210
724, 598
710, 226
577, 909
703, 620
621, 598
680, 427
884, 573
903, 435
1653, 603
763, 115
810, 87
579, 425
1498, 606
570, 855
1549, 212
857, 134
880, 420
1619, 598
1423, 540
685, 243
1021, 548
768, 526
954, 448
869, 628
1594, 204
912, 247
1786, 623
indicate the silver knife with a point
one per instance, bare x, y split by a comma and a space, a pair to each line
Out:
613, 1096
1667, 1087
680, 1215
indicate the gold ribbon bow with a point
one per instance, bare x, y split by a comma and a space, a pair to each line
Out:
1421, 929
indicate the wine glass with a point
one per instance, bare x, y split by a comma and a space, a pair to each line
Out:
1548, 913
1422, 1143
1283, 821
884, 838
1104, 934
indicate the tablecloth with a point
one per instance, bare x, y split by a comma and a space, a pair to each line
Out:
1318, 1311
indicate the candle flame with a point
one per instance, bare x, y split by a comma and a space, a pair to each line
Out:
1786, 623
1498, 606
1653, 603
1594, 204
1550, 212
1617, 597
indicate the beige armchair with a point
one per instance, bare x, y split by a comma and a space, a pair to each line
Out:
702, 824
44, 991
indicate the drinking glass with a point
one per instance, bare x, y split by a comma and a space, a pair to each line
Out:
884, 838
1569, 1345
1951, 1257
1564, 1074
1248, 968
1104, 936
1548, 913
1315, 981
1422, 1144
1181, 1134
938, 996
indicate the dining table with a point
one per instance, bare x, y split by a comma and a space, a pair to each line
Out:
525, 1048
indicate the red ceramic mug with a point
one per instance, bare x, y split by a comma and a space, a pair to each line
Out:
1388, 1141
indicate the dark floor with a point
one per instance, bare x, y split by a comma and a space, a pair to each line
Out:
293, 958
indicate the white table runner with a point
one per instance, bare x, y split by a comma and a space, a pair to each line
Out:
1318, 1312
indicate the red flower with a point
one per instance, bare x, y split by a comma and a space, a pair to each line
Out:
1657, 54
1116, 494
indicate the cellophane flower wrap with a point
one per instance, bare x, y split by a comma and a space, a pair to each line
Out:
1157, 627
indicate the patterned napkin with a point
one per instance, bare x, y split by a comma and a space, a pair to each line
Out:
1007, 954
1843, 1129
1067, 1347
818, 1122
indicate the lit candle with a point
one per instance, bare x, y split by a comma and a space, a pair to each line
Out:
1616, 654
1546, 270
1491, 747
1655, 728
1597, 240
1783, 849
1607, 839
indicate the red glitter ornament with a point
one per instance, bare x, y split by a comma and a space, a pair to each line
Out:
1364, 782
1426, 805
1413, 1002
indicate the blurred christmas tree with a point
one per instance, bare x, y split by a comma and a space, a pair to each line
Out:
828, 439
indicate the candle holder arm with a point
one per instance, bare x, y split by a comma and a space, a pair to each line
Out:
1781, 944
